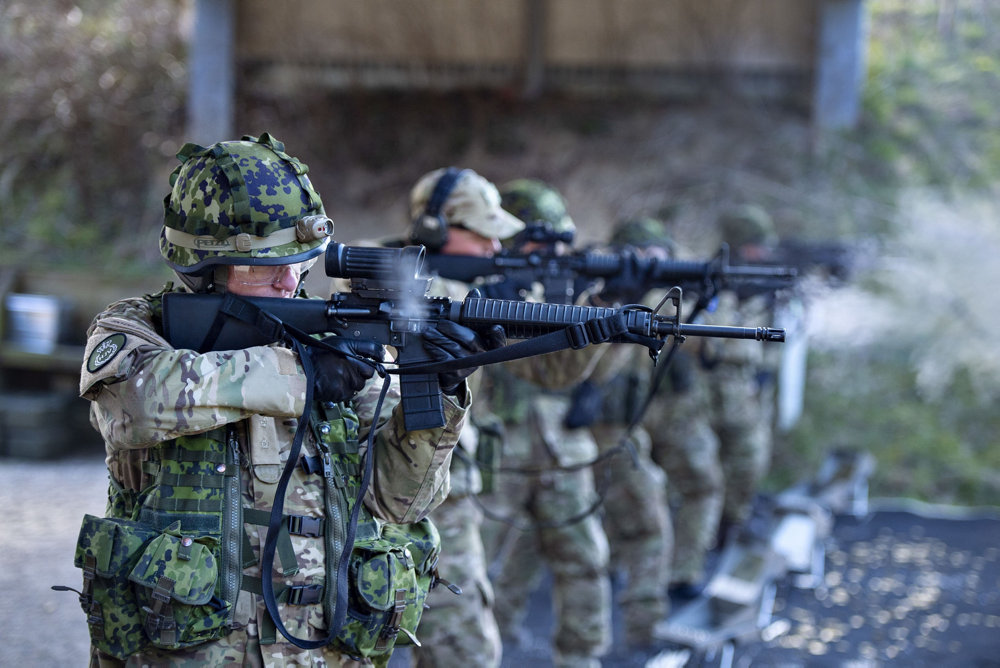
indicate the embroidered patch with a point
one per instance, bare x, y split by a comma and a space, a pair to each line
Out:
105, 352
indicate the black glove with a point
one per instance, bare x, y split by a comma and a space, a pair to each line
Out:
627, 285
448, 341
338, 377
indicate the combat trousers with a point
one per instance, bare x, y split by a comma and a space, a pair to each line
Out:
459, 630
744, 431
563, 535
638, 526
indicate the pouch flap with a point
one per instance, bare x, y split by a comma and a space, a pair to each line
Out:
110, 542
188, 563
420, 540
375, 578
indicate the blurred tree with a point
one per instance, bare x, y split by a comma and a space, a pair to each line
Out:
92, 93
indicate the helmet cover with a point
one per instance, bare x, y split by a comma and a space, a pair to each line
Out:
241, 202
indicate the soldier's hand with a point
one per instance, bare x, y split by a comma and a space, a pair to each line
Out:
626, 286
340, 374
448, 341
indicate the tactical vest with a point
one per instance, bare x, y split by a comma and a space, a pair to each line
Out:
165, 567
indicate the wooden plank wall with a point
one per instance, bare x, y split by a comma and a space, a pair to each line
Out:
489, 39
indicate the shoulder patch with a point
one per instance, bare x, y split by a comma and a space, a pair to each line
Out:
105, 352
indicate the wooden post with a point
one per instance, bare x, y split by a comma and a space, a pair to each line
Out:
212, 82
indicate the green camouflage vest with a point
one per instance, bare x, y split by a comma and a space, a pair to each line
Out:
165, 566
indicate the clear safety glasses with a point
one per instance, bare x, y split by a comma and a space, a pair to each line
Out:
269, 274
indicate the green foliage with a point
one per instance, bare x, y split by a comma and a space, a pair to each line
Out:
91, 91
942, 451
920, 397
933, 90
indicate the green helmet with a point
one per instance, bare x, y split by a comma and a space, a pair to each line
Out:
642, 232
241, 202
746, 225
535, 202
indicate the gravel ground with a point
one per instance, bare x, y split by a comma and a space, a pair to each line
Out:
901, 588
44, 503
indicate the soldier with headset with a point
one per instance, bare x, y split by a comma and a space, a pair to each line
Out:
457, 211
546, 489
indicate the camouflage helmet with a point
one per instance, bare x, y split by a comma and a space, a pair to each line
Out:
747, 224
536, 202
642, 232
241, 202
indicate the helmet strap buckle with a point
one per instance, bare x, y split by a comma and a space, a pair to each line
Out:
244, 244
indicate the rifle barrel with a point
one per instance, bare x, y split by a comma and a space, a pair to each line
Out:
523, 320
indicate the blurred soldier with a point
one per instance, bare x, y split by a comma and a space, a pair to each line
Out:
197, 445
636, 516
678, 423
742, 375
546, 484
457, 211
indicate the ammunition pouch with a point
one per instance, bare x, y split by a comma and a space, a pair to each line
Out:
389, 580
143, 588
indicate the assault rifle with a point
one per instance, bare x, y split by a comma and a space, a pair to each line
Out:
626, 273
388, 303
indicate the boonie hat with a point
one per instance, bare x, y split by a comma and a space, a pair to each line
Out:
473, 203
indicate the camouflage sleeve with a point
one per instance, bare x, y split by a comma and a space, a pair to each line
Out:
735, 351
144, 392
410, 476
558, 370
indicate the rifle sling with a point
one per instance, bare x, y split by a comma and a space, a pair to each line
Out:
579, 335
235, 307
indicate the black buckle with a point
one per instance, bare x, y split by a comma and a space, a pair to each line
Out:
604, 329
311, 464
577, 335
300, 525
304, 594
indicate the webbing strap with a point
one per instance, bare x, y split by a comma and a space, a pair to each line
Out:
206, 480
241, 205
242, 242
311, 464
300, 525
391, 630
95, 614
575, 336
286, 554
339, 607
177, 454
188, 505
233, 306
160, 623
311, 594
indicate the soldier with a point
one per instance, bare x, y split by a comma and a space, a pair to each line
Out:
742, 374
636, 516
683, 442
457, 211
197, 447
553, 499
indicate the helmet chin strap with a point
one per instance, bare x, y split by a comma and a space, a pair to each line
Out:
211, 281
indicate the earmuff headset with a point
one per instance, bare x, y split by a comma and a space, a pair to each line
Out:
430, 229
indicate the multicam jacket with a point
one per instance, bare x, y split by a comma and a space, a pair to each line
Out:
155, 406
